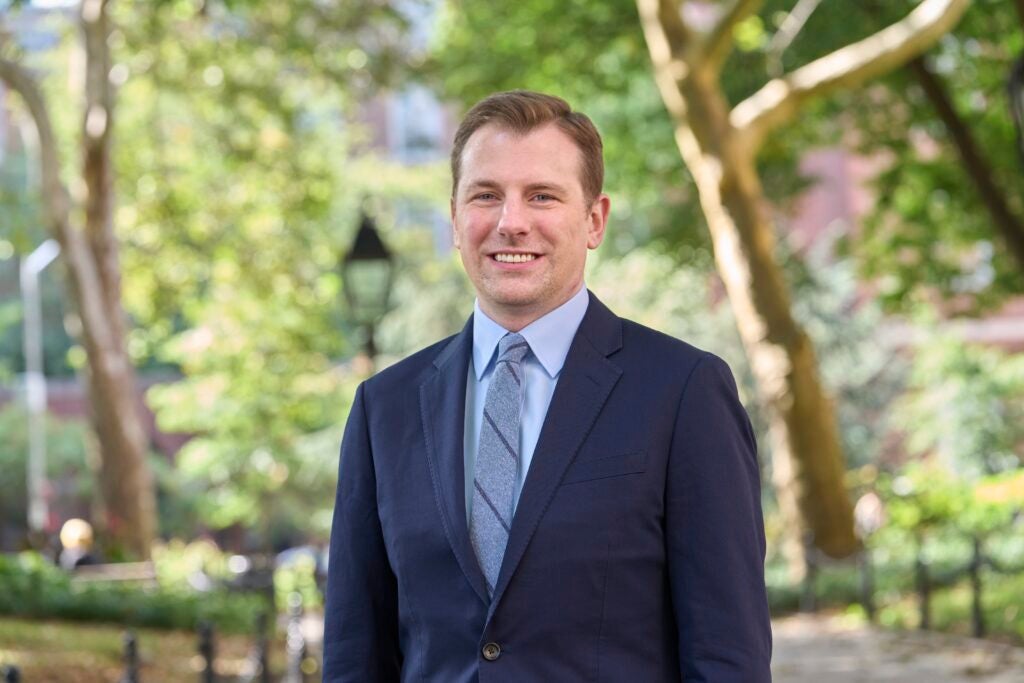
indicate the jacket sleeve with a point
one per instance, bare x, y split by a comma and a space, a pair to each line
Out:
361, 610
715, 534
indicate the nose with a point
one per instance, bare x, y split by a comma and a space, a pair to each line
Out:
514, 220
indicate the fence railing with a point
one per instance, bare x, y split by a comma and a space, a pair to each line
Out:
300, 667
927, 579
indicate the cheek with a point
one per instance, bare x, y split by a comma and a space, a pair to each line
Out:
473, 230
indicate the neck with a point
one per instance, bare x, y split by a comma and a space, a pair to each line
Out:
515, 318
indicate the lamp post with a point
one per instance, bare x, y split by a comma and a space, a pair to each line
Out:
367, 272
35, 381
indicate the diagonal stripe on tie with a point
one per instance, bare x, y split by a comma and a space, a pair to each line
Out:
497, 432
483, 494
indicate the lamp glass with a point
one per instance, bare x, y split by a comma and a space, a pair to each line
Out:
368, 283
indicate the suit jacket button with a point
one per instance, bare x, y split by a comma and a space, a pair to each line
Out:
491, 651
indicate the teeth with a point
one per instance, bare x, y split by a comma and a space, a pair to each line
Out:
514, 258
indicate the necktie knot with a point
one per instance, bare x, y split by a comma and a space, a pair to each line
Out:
512, 347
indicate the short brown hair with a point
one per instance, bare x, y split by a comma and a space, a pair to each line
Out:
522, 111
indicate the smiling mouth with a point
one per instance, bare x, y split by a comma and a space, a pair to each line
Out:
513, 258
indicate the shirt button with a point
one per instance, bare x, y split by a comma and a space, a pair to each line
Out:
491, 651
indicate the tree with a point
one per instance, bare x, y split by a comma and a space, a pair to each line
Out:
247, 193
90, 254
719, 145
947, 226
232, 122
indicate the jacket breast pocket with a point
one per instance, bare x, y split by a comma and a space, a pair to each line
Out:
633, 462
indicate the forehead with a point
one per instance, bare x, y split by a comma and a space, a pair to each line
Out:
498, 154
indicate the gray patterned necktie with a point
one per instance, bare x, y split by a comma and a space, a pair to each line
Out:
497, 459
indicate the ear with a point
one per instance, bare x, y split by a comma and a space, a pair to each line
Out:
598, 219
455, 229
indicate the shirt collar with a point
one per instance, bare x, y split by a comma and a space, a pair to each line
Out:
549, 336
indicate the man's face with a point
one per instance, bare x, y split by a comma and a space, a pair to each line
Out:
521, 222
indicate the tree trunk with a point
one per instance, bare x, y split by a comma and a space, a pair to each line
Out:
807, 462
126, 479
90, 255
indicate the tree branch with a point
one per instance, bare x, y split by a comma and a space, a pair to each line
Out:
55, 197
975, 164
663, 19
779, 100
667, 38
718, 44
787, 33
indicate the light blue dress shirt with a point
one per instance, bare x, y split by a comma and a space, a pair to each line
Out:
549, 338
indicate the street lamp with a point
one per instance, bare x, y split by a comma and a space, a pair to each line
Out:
35, 381
366, 273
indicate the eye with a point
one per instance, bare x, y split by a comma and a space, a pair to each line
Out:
485, 196
543, 197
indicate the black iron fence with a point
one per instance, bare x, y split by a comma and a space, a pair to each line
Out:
300, 665
927, 578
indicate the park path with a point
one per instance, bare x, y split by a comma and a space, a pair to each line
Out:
822, 649
810, 649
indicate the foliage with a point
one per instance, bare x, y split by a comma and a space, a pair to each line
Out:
22, 214
863, 371
433, 297
242, 202
31, 586
928, 234
65, 463
10, 312
925, 497
267, 406
966, 405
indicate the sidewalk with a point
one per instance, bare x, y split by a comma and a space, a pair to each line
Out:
811, 649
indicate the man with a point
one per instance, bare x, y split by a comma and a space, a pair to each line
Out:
554, 494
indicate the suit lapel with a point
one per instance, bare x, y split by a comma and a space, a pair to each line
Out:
443, 411
586, 381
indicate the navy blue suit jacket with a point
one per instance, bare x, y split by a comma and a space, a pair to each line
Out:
637, 548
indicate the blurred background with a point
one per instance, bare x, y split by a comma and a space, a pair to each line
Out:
217, 217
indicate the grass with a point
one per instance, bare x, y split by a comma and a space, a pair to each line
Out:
69, 652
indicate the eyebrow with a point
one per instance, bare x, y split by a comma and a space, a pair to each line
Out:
553, 187
485, 183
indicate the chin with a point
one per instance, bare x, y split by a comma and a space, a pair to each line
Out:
516, 299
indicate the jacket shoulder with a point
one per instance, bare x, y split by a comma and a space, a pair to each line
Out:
659, 347
666, 358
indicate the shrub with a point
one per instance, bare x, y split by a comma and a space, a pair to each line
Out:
30, 586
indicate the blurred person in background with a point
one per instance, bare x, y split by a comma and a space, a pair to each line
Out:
76, 539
